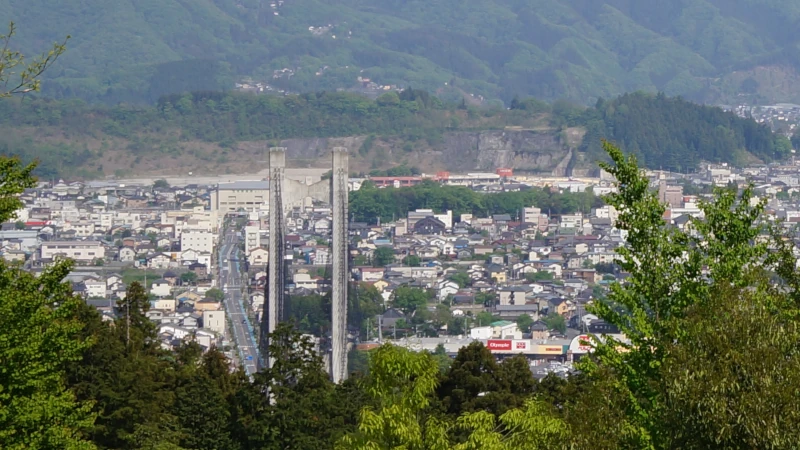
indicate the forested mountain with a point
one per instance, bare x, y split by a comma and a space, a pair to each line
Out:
137, 50
72, 138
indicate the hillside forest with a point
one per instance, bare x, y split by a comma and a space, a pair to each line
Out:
72, 138
136, 51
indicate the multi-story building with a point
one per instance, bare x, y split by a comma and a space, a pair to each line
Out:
82, 251
252, 238
202, 241
672, 195
245, 195
534, 215
214, 321
571, 220
95, 288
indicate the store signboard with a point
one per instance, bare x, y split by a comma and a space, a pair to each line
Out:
499, 345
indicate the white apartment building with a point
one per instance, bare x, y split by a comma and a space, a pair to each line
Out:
65, 214
322, 256
95, 288
534, 215
531, 214
106, 219
197, 219
214, 321
252, 238
130, 218
202, 241
606, 212
571, 220
82, 228
83, 251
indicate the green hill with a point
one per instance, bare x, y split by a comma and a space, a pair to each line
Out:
215, 132
135, 50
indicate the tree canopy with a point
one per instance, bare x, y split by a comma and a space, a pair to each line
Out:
369, 203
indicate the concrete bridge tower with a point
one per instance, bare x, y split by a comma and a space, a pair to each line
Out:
341, 275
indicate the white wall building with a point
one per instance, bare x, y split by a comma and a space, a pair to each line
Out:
252, 238
95, 288
83, 251
481, 333
214, 321
160, 288
202, 241
246, 195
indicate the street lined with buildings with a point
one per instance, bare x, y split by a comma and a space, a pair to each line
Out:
231, 281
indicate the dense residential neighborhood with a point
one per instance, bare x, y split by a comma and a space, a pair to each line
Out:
518, 282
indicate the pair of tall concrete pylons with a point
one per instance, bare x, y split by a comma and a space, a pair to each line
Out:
277, 268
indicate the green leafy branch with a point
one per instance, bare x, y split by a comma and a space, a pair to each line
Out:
19, 76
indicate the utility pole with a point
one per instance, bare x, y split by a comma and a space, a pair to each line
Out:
128, 320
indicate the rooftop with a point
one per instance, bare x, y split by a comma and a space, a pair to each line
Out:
244, 185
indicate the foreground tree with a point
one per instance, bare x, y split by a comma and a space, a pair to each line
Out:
293, 404
39, 336
677, 381
129, 378
472, 383
732, 381
402, 383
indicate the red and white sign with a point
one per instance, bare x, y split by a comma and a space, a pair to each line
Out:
499, 345
581, 344
508, 345
521, 346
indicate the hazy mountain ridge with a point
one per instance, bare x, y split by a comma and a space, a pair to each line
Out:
126, 50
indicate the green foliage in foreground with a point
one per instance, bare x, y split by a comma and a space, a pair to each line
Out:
39, 337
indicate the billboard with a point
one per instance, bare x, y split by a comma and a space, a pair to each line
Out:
505, 172
521, 345
509, 345
581, 344
499, 345
549, 349
584, 343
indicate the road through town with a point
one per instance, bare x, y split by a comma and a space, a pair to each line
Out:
231, 282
